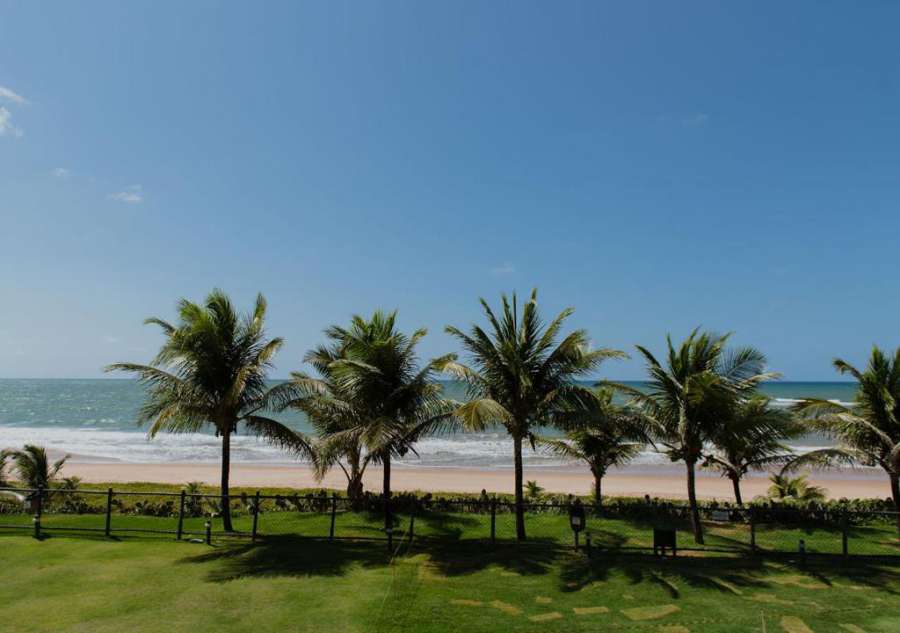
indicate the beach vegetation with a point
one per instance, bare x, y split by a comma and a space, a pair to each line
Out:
521, 374
868, 430
212, 370
691, 393
373, 393
752, 437
600, 433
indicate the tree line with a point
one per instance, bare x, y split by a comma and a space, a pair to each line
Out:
370, 398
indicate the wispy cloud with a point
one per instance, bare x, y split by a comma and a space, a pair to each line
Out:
13, 97
506, 268
61, 172
111, 339
695, 120
7, 127
130, 195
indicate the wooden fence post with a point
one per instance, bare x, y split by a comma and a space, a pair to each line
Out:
333, 516
109, 498
752, 533
255, 517
493, 521
845, 525
180, 517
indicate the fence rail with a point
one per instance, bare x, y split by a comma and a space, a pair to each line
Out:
630, 527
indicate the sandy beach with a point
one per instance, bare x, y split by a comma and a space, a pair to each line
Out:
661, 482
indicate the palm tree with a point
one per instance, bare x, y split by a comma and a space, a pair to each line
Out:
4, 482
785, 487
521, 377
334, 413
33, 469
212, 370
751, 439
533, 490
602, 434
868, 431
692, 394
375, 394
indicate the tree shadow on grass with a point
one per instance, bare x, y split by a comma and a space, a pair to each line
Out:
729, 574
293, 556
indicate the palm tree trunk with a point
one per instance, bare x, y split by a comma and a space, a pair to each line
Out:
226, 471
386, 469
520, 508
598, 490
895, 494
692, 501
736, 482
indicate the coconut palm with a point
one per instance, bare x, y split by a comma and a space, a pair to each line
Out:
533, 490
600, 433
4, 482
688, 398
212, 370
375, 393
784, 488
33, 469
868, 431
521, 376
333, 412
751, 438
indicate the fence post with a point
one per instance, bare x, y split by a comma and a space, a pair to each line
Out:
752, 533
255, 517
844, 534
333, 516
109, 497
180, 517
208, 532
494, 521
389, 522
39, 510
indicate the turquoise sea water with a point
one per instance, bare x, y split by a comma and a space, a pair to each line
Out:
95, 420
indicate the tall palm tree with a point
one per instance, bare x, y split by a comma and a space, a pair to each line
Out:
375, 391
33, 468
751, 438
212, 370
868, 431
521, 376
600, 433
692, 394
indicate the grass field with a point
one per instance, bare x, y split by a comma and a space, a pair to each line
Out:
286, 583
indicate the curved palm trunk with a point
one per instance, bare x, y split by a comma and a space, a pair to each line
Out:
895, 495
520, 508
226, 471
736, 482
386, 464
692, 501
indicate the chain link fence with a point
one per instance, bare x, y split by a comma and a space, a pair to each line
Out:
632, 527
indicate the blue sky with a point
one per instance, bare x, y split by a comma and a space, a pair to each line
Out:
656, 165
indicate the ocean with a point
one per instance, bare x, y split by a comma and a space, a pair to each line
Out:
94, 420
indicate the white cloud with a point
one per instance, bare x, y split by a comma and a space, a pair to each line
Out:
111, 339
7, 127
696, 120
130, 195
9, 95
61, 172
505, 268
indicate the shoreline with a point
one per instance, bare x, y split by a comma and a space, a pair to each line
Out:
665, 481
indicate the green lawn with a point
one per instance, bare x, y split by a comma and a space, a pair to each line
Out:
284, 583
